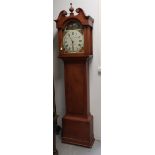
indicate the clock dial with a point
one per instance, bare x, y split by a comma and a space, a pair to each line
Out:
73, 41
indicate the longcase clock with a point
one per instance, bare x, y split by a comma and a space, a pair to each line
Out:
75, 49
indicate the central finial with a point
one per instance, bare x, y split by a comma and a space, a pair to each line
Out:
71, 9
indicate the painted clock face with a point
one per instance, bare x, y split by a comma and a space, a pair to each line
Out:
73, 39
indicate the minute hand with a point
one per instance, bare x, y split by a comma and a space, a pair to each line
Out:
70, 38
72, 42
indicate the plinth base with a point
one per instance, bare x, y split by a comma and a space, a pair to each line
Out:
78, 130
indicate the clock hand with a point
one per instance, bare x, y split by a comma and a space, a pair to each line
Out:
70, 38
72, 45
72, 42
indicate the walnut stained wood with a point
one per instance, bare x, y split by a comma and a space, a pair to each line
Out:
77, 124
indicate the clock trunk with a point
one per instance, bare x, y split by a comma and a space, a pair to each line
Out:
78, 122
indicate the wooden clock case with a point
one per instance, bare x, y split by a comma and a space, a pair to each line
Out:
77, 124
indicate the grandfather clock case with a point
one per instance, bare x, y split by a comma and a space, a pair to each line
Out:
75, 49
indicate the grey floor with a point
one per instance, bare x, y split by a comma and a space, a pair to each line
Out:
66, 149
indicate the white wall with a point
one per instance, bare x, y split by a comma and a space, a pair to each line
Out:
91, 8
26, 77
128, 77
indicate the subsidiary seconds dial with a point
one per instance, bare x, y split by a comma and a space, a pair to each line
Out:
73, 41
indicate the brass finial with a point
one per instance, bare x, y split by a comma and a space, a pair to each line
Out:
71, 9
